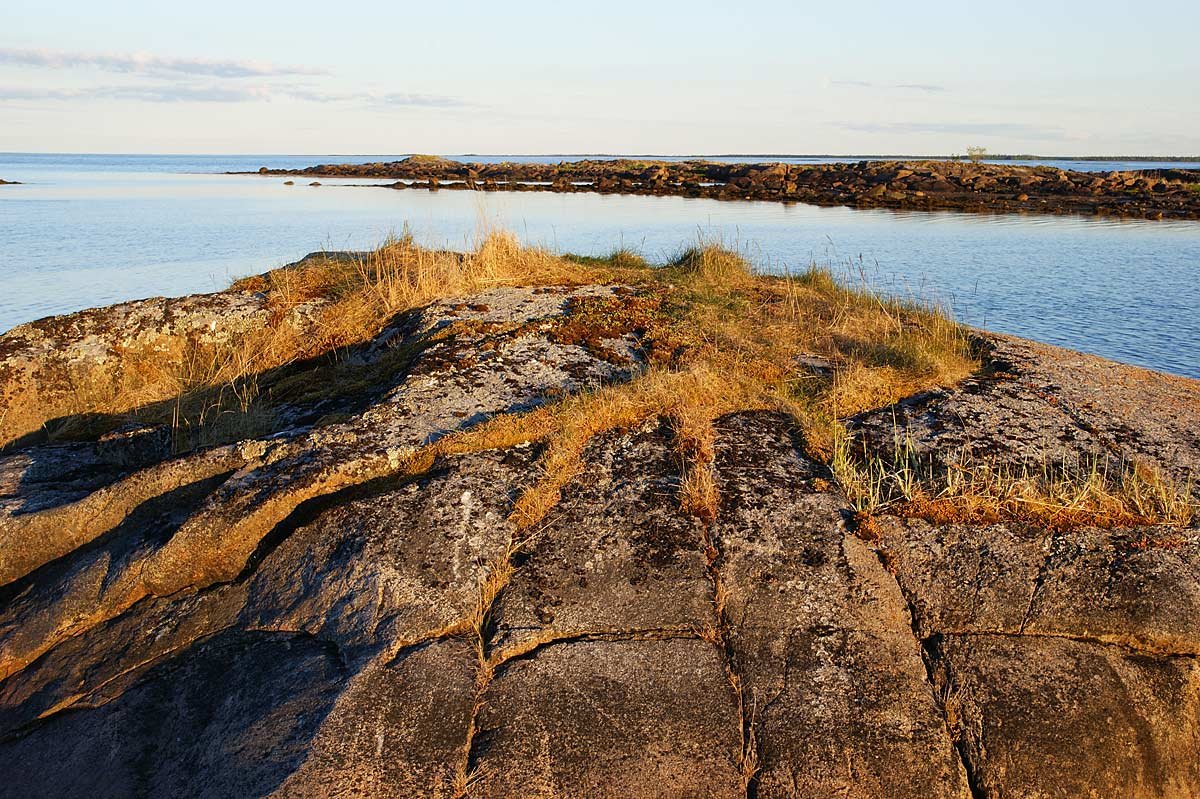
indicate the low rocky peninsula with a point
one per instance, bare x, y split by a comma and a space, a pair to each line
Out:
4, 182
504, 523
916, 185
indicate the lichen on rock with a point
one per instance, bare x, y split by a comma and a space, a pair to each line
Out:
347, 605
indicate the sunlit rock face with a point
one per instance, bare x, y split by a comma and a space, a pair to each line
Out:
307, 613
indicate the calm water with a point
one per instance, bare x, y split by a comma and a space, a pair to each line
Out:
89, 230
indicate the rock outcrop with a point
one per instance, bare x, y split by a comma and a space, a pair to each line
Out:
321, 613
42, 362
917, 185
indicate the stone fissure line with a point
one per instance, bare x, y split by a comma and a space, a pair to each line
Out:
76, 633
467, 773
81, 701
695, 450
534, 646
74, 701
933, 660
1132, 649
464, 774
104, 509
1039, 584
478, 627
325, 502
748, 756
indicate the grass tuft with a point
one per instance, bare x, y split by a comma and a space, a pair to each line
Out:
620, 258
1060, 496
210, 391
712, 261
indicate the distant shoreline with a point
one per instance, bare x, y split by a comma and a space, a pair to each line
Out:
1166, 193
1157, 159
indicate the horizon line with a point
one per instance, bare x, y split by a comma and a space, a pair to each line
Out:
858, 156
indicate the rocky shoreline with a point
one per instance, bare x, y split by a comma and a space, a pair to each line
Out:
314, 612
9, 182
915, 185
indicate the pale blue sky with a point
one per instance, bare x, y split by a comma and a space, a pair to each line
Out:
1053, 78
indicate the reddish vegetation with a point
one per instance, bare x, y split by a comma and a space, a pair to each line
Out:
960, 510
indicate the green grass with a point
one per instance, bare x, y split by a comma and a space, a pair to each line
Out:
619, 258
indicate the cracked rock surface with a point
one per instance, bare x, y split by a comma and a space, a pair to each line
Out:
1037, 404
300, 616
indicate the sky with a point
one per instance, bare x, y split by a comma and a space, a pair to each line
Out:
919, 78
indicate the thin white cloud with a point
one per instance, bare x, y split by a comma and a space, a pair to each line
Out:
144, 63
201, 93
919, 87
930, 88
148, 94
376, 98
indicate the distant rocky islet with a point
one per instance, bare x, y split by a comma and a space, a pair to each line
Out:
917, 185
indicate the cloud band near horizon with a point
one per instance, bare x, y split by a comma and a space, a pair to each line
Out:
144, 63
173, 93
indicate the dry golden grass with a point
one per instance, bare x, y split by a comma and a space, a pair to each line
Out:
951, 703
1088, 492
694, 395
209, 390
189, 384
713, 262
878, 350
695, 442
360, 294
718, 338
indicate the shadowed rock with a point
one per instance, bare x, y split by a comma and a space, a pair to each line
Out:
636, 565
399, 729
176, 733
611, 719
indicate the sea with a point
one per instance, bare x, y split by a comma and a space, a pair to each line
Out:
87, 230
